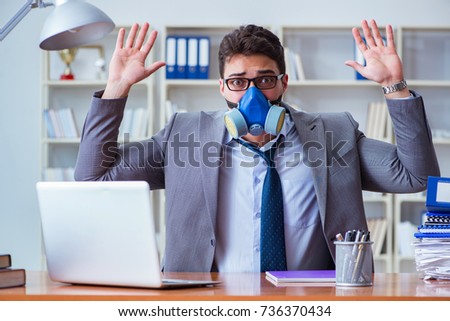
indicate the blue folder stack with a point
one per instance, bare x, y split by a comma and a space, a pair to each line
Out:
187, 57
432, 248
437, 217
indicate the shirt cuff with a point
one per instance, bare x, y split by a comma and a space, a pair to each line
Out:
411, 96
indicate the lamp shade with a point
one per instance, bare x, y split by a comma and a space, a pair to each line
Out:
74, 23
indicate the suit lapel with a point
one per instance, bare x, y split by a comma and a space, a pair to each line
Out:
312, 135
211, 133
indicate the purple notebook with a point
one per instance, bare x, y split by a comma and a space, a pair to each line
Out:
302, 276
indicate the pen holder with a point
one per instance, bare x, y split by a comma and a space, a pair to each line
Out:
353, 263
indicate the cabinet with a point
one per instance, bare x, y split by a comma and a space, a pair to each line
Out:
60, 147
425, 54
59, 152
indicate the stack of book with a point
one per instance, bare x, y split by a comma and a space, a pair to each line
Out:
61, 123
294, 65
378, 230
172, 108
10, 277
378, 122
59, 174
134, 124
432, 248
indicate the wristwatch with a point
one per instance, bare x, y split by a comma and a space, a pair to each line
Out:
395, 87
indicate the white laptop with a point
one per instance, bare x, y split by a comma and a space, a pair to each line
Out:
102, 233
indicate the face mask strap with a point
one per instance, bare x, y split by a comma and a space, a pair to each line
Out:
230, 104
272, 102
276, 101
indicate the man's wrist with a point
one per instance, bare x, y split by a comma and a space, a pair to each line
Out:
399, 86
115, 90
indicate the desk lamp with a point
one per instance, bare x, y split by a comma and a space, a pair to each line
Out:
72, 23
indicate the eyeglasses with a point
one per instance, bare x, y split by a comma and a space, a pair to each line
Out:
261, 82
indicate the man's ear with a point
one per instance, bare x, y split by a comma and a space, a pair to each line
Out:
221, 87
284, 82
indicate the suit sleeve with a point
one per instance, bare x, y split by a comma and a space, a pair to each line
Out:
102, 158
404, 167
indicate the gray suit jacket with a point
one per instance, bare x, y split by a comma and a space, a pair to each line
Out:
184, 158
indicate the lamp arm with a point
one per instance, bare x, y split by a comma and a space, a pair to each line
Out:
20, 14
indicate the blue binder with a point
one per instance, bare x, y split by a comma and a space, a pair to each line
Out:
171, 51
192, 58
181, 54
438, 194
437, 222
203, 57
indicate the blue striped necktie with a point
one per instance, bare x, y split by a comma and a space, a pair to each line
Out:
273, 249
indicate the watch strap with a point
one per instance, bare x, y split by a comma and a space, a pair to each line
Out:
395, 87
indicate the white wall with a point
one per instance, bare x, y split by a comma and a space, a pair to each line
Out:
20, 74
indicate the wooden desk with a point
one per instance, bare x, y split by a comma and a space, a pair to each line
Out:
240, 287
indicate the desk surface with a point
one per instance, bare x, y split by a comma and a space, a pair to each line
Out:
238, 286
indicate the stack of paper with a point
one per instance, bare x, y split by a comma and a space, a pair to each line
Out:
433, 257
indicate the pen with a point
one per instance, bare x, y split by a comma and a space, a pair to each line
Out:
359, 260
347, 260
357, 237
347, 236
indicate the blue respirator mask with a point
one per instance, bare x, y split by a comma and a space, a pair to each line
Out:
254, 114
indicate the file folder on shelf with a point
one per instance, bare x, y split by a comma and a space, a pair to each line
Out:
187, 57
192, 58
203, 58
171, 51
181, 62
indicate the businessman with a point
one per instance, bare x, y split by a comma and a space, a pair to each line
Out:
259, 173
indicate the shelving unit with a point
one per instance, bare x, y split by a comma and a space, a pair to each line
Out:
409, 209
428, 72
379, 206
328, 86
58, 155
424, 52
